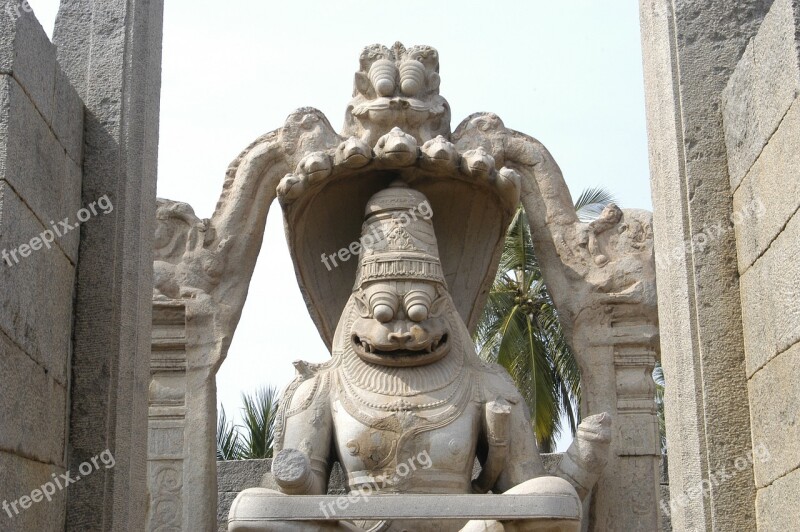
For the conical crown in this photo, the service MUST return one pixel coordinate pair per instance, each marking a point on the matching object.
(397, 238)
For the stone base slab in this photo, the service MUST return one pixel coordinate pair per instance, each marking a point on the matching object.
(251, 506)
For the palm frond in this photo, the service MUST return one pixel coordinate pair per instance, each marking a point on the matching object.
(591, 203)
(229, 444)
(519, 329)
(259, 422)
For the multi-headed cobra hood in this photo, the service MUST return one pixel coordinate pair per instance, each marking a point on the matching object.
(396, 133)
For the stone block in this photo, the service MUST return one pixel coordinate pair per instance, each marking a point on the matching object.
(32, 407)
(761, 89)
(19, 477)
(666, 521)
(774, 396)
(224, 501)
(549, 505)
(68, 117)
(771, 300)
(758, 327)
(36, 164)
(770, 193)
(551, 461)
(237, 475)
(36, 309)
(785, 293)
(28, 54)
(778, 506)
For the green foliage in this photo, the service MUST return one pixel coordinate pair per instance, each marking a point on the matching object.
(229, 445)
(259, 423)
(591, 203)
(258, 429)
(520, 330)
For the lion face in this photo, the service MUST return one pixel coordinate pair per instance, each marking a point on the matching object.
(401, 323)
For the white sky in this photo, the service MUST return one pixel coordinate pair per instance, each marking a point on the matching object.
(568, 73)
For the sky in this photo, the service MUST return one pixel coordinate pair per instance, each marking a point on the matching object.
(567, 73)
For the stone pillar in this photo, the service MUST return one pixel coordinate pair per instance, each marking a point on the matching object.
(111, 52)
(167, 418)
(203, 267)
(690, 50)
(181, 471)
(618, 348)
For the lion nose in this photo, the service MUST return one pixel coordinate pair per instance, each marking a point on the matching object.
(401, 337)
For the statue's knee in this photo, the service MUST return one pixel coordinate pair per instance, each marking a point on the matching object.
(546, 485)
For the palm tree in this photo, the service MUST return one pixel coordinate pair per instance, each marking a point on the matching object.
(519, 330)
(229, 444)
(259, 422)
(259, 413)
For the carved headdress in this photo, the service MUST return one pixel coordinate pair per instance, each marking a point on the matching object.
(397, 239)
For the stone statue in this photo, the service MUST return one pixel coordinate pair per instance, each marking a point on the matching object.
(404, 377)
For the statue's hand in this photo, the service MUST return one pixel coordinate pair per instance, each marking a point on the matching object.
(292, 471)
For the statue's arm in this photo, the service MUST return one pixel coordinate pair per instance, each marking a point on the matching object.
(304, 438)
(522, 461)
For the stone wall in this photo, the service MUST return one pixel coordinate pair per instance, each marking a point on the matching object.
(690, 50)
(41, 142)
(721, 80)
(78, 152)
(761, 112)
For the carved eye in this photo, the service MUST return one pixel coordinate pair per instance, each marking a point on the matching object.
(418, 304)
(382, 74)
(384, 306)
(412, 77)
(383, 313)
(418, 313)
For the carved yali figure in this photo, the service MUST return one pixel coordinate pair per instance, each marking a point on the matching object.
(405, 405)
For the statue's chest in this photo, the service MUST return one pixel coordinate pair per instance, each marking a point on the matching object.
(413, 450)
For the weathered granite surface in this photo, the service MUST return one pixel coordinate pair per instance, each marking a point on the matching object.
(690, 51)
(237, 475)
(110, 50)
(762, 119)
(41, 122)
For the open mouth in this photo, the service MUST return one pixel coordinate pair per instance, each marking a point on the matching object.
(400, 355)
